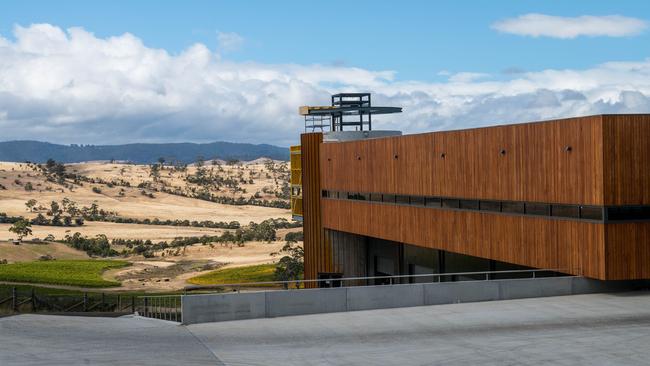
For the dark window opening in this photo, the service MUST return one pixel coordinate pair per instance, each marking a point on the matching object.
(591, 212)
(469, 204)
(628, 213)
(596, 213)
(490, 206)
(512, 207)
(357, 196)
(541, 209)
(389, 198)
(450, 203)
(432, 201)
(417, 200)
(566, 211)
(402, 200)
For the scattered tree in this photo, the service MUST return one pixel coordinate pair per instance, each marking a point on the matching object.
(291, 266)
(22, 228)
(154, 172)
(31, 204)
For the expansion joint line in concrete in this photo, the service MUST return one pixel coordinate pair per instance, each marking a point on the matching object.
(217, 360)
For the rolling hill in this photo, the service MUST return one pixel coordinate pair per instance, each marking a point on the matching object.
(38, 152)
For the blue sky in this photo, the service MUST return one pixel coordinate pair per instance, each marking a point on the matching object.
(445, 62)
(417, 39)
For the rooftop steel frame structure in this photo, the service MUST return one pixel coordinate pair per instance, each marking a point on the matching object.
(353, 110)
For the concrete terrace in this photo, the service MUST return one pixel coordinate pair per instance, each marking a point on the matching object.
(596, 329)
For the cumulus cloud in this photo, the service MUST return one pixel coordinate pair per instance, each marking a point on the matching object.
(70, 86)
(542, 25)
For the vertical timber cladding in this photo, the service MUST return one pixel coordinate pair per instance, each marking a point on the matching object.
(554, 162)
(318, 255)
(627, 182)
(569, 245)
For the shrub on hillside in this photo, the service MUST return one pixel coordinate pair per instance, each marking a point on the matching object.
(97, 246)
(295, 236)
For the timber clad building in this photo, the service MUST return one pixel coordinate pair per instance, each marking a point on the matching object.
(569, 195)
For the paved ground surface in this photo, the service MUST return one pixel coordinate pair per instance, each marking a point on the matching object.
(601, 329)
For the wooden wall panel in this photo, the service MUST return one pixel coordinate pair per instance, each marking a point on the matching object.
(627, 250)
(627, 159)
(608, 164)
(318, 255)
(535, 166)
(573, 246)
(626, 155)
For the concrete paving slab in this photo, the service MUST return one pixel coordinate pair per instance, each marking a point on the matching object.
(598, 329)
(70, 340)
(595, 329)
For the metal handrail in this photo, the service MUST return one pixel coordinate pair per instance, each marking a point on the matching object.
(433, 275)
(161, 307)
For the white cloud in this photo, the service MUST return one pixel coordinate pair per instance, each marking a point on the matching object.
(541, 25)
(229, 41)
(73, 87)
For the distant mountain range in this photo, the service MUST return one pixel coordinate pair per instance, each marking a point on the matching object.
(38, 152)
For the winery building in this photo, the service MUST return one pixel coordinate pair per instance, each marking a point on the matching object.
(569, 195)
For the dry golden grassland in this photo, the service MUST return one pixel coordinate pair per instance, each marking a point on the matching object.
(109, 192)
(130, 202)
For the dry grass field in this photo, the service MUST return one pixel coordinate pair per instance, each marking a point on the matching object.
(129, 201)
(31, 252)
(146, 192)
(114, 231)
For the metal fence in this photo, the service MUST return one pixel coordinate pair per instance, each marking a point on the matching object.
(385, 280)
(169, 307)
(15, 300)
(166, 307)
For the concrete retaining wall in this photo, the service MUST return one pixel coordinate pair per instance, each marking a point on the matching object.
(268, 304)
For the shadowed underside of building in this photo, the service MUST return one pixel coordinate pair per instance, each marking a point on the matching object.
(571, 195)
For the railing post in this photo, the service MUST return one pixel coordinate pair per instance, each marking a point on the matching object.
(146, 306)
(14, 299)
(85, 301)
(133, 304)
(103, 300)
(33, 297)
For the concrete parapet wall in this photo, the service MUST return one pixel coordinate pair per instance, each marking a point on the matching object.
(269, 304)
